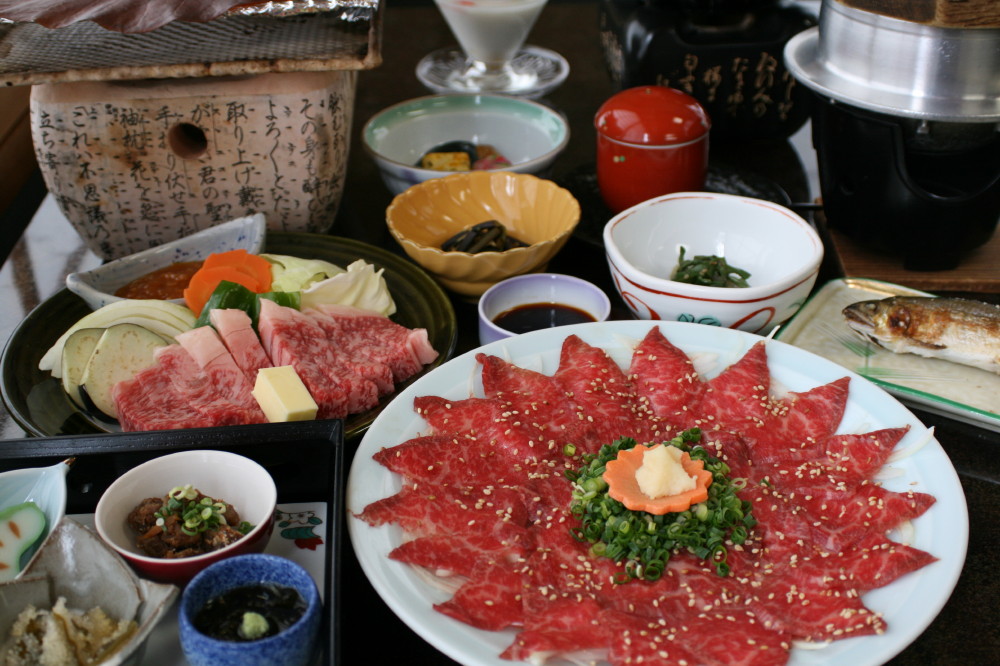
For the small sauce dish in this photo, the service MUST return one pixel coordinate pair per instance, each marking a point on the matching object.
(98, 286)
(538, 300)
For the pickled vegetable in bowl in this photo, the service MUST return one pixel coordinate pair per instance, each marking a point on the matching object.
(525, 137)
(36, 495)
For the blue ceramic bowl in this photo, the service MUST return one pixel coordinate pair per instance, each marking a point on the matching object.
(295, 646)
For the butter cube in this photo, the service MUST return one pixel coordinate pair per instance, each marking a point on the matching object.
(282, 395)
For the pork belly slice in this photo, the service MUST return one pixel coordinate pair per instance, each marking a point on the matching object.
(236, 330)
(339, 385)
(364, 334)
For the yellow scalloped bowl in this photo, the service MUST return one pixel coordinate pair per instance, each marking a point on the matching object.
(534, 210)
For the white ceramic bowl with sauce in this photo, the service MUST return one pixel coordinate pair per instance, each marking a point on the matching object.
(541, 292)
(98, 286)
(781, 251)
(530, 135)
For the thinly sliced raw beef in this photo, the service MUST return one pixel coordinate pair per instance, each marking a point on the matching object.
(465, 417)
(840, 518)
(856, 457)
(497, 427)
(798, 420)
(490, 600)
(149, 401)
(739, 396)
(200, 391)
(819, 543)
(872, 562)
(369, 335)
(443, 460)
(734, 638)
(666, 378)
(605, 398)
(292, 338)
(236, 330)
(442, 510)
(535, 399)
(458, 554)
(563, 627)
(797, 606)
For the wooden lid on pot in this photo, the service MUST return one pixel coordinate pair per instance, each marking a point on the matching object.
(939, 13)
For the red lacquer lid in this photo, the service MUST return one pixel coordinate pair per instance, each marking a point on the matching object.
(652, 116)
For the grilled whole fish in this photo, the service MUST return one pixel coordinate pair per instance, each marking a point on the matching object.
(954, 329)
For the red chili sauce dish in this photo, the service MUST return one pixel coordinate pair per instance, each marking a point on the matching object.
(165, 283)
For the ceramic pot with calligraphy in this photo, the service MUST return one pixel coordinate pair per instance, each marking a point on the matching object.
(133, 164)
(727, 54)
(651, 140)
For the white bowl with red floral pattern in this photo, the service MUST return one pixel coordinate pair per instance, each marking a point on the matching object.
(781, 251)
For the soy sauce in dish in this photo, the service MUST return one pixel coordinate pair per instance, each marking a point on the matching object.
(223, 616)
(534, 316)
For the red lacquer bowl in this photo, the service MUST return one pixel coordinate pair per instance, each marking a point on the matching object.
(651, 140)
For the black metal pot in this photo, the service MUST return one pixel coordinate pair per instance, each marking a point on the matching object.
(925, 191)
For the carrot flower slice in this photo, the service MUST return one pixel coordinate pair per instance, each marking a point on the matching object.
(619, 474)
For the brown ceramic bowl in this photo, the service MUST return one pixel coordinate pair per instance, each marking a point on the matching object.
(533, 210)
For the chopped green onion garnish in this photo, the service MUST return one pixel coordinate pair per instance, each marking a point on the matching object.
(644, 541)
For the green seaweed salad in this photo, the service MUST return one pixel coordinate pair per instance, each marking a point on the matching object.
(709, 271)
(644, 541)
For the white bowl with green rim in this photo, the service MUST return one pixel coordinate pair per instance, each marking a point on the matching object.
(530, 135)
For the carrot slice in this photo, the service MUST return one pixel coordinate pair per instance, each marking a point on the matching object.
(253, 265)
(205, 280)
(619, 474)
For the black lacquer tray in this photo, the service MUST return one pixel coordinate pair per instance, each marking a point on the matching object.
(306, 460)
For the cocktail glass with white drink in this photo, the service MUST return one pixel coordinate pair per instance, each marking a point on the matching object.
(491, 34)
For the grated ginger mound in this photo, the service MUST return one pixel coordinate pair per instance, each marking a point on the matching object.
(64, 637)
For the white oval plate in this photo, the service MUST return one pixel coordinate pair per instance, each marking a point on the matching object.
(909, 604)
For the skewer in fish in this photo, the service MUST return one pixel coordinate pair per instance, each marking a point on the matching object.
(953, 329)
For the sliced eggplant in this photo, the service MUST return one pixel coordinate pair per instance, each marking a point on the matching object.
(75, 355)
(163, 317)
(121, 353)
